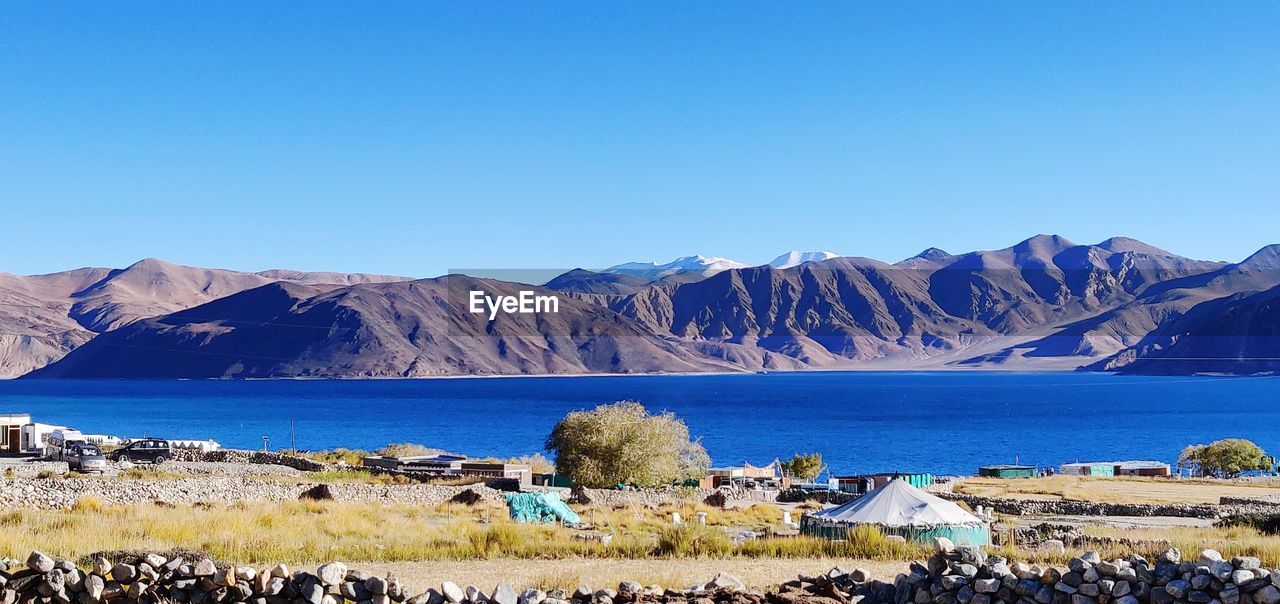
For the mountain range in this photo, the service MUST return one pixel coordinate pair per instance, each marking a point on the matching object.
(1045, 303)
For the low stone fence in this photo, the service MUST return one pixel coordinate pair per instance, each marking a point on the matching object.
(62, 493)
(23, 467)
(832, 497)
(255, 457)
(966, 575)
(1024, 507)
(1260, 501)
(158, 579)
(1073, 537)
(645, 497)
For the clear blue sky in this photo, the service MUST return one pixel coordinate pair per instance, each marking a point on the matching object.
(417, 137)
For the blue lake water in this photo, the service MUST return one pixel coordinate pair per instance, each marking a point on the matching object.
(862, 422)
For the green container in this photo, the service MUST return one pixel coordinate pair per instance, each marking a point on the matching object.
(1007, 471)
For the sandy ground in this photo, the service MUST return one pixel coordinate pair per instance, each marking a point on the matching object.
(608, 573)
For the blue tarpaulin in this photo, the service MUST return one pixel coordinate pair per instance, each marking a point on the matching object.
(540, 507)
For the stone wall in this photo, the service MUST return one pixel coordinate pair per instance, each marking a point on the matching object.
(832, 497)
(1024, 507)
(1073, 537)
(30, 468)
(645, 497)
(254, 457)
(62, 493)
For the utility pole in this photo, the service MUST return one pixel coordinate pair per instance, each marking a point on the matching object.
(293, 440)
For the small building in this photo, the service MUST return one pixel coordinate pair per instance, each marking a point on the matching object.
(1143, 468)
(11, 433)
(203, 446)
(864, 483)
(1117, 468)
(522, 473)
(448, 464)
(1007, 471)
(745, 475)
(443, 463)
(1088, 469)
(552, 479)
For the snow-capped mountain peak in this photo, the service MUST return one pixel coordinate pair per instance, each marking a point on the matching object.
(652, 271)
(795, 258)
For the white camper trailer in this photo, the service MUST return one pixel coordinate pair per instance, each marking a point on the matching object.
(57, 442)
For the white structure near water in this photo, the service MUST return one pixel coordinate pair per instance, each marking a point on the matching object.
(21, 436)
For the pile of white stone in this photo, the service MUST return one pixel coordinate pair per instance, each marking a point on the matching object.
(966, 575)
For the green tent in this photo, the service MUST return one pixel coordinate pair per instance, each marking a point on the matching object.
(540, 507)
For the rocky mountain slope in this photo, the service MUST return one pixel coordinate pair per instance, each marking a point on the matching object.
(402, 329)
(42, 317)
(920, 312)
(1044, 303)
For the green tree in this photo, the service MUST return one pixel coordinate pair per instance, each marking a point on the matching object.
(1225, 458)
(622, 443)
(805, 466)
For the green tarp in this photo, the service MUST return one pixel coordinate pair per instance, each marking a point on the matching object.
(540, 507)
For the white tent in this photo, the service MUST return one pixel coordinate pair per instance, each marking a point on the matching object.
(898, 508)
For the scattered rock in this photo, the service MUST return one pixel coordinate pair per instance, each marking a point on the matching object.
(320, 492)
(726, 581)
(453, 593)
(331, 574)
(39, 562)
(503, 594)
(468, 497)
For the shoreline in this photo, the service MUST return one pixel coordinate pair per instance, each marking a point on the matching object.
(842, 370)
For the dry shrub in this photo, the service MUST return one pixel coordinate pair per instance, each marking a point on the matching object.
(692, 539)
(623, 443)
(87, 504)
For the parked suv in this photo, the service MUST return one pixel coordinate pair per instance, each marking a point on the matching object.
(84, 457)
(153, 450)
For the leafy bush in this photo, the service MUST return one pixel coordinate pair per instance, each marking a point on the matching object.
(805, 466)
(623, 443)
(1225, 458)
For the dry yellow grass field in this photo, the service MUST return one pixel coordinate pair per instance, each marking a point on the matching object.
(1116, 490)
(311, 532)
(425, 544)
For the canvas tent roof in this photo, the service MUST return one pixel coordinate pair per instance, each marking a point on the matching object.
(898, 504)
